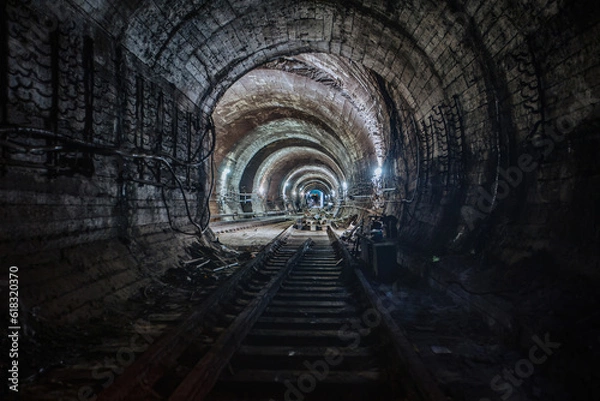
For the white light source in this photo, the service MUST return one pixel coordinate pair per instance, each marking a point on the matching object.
(224, 176)
(345, 185)
(294, 193)
(378, 171)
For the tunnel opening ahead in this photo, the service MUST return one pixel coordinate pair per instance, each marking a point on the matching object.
(314, 199)
(281, 127)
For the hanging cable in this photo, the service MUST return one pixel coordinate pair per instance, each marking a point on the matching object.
(418, 152)
(206, 208)
(70, 144)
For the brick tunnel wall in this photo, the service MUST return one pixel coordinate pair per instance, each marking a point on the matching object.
(553, 208)
(83, 217)
(507, 81)
(526, 149)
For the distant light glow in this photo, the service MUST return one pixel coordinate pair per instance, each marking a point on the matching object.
(345, 185)
(224, 177)
(378, 171)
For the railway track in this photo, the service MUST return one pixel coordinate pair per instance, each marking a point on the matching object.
(239, 225)
(295, 324)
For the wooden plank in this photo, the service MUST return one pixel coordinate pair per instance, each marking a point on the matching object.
(294, 333)
(328, 289)
(287, 286)
(304, 281)
(315, 264)
(294, 311)
(165, 317)
(204, 375)
(310, 304)
(303, 352)
(290, 293)
(313, 285)
(328, 279)
(333, 377)
(316, 273)
(308, 320)
(307, 295)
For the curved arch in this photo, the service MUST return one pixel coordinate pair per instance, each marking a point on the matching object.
(260, 98)
(278, 166)
(410, 59)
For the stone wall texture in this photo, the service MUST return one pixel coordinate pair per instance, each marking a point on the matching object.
(487, 121)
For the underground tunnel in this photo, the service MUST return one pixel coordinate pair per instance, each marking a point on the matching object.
(300, 200)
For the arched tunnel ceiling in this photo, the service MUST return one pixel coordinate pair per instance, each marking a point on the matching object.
(282, 163)
(314, 183)
(297, 177)
(194, 35)
(315, 180)
(204, 47)
(350, 71)
(307, 110)
(254, 146)
(323, 65)
(294, 145)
